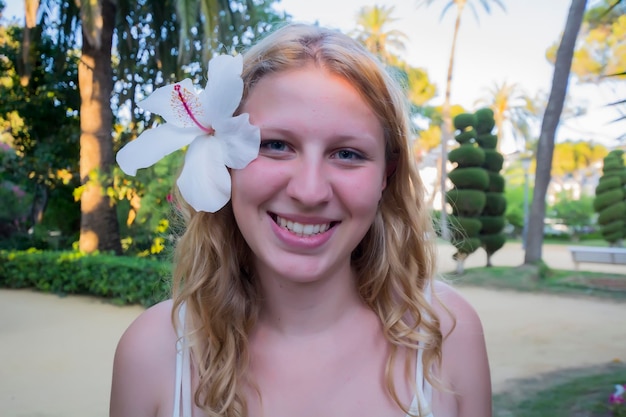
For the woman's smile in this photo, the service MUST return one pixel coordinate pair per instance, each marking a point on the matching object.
(311, 195)
(302, 229)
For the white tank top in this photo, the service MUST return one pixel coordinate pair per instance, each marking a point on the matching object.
(182, 394)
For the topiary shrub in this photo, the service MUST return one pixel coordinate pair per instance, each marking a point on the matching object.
(610, 198)
(493, 214)
(467, 197)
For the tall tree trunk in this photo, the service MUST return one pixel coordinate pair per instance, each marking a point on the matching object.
(447, 129)
(551, 118)
(99, 229)
(26, 63)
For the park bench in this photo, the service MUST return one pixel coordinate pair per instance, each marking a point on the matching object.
(602, 255)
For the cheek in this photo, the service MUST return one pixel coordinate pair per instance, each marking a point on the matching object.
(254, 183)
(363, 193)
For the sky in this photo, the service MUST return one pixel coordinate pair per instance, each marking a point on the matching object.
(502, 46)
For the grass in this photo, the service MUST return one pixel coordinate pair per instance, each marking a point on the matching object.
(581, 392)
(542, 279)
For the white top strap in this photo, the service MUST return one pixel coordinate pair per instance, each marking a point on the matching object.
(182, 386)
(422, 401)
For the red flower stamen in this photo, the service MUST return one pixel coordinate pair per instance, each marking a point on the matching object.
(187, 107)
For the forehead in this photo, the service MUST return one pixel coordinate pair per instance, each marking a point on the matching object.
(311, 98)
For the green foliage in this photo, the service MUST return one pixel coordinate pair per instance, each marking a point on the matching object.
(14, 208)
(577, 214)
(495, 204)
(465, 246)
(612, 213)
(612, 231)
(492, 224)
(164, 41)
(573, 392)
(469, 203)
(62, 213)
(472, 178)
(600, 50)
(468, 136)
(493, 160)
(464, 227)
(515, 217)
(464, 120)
(611, 235)
(496, 182)
(467, 198)
(468, 155)
(124, 280)
(608, 183)
(487, 141)
(144, 206)
(39, 139)
(492, 242)
(485, 121)
(613, 164)
(493, 214)
(610, 198)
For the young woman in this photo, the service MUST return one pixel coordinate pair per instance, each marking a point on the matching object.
(311, 292)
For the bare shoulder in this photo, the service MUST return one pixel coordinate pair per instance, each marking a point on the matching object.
(144, 364)
(454, 311)
(465, 366)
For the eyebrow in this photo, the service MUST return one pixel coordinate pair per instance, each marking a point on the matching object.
(290, 132)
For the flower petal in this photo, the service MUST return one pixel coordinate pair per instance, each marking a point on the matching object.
(151, 146)
(176, 107)
(224, 87)
(204, 181)
(239, 139)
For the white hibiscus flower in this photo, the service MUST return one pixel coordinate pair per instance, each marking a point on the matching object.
(205, 122)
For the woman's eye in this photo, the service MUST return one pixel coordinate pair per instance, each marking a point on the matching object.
(347, 154)
(273, 145)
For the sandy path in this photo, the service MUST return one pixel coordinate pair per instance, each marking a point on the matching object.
(57, 352)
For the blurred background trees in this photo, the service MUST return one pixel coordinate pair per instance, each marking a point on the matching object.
(158, 42)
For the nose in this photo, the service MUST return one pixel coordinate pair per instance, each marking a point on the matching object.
(309, 183)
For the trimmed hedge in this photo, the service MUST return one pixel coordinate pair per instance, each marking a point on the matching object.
(464, 227)
(467, 156)
(472, 178)
(487, 141)
(464, 120)
(123, 280)
(610, 199)
(468, 202)
(494, 161)
(496, 182)
(607, 183)
(484, 120)
(492, 224)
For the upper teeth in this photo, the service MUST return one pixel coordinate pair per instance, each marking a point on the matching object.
(302, 229)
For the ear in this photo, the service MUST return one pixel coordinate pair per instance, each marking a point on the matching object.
(390, 169)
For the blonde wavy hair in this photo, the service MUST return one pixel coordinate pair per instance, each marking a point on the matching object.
(394, 262)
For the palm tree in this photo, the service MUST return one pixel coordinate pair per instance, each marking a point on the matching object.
(372, 30)
(550, 122)
(447, 118)
(510, 107)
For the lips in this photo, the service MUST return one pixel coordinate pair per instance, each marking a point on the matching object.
(302, 229)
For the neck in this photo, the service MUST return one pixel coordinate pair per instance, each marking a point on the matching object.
(300, 308)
